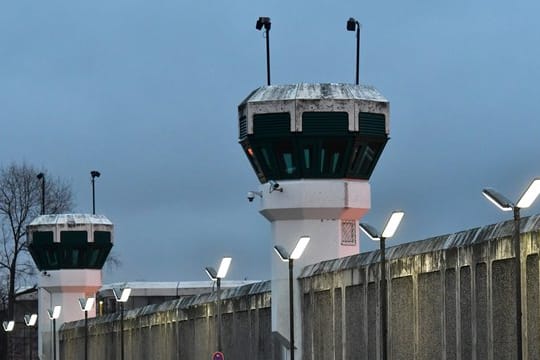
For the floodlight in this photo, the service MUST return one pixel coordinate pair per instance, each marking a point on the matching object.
(40, 175)
(30, 319)
(370, 231)
(86, 304)
(530, 194)
(282, 253)
(95, 173)
(224, 267)
(392, 224)
(122, 295)
(8, 325)
(54, 313)
(263, 21)
(300, 247)
(351, 24)
(498, 199)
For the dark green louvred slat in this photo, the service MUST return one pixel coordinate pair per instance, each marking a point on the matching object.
(243, 127)
(272, 125)
(325, 123)
(371, 124)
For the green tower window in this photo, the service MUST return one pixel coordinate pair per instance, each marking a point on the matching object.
(371, 124)
(43, 237)
(74, 238)
(325, 147)
(271, 125)
(102, 237)
(325, 123)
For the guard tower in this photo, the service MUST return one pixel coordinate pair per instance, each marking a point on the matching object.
(313, 148)
(69, 250)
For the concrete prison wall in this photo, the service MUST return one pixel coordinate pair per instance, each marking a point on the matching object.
(180, 329)
(449, 297)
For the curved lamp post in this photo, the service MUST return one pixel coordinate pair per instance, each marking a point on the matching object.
(217, 276)
(525, 200)
(122, 295)
(86, 305)
(286, 257)
(30, 320)
(389, 231)
(94, 174)
(352, 25)
(41, 176)
(8, 328)
(53, 315)
(264, 22)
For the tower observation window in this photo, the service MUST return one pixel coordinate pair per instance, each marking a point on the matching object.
(324, 148)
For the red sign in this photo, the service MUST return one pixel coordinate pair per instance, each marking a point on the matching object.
(218, 355)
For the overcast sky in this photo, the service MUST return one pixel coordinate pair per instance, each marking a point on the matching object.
(146, 92)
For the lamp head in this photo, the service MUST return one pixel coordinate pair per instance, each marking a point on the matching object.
(392, 224)
(498, 199)
(300, 247)
(211, 272)
(122, 294)
(30, 319)
(224, 267)
(54, 313)
(351, 24)
(529, 195)
(263, 21)
(370, 231)
(95, 174)
(8, 325)
(86, 303)
(40, 175)
(282, 253)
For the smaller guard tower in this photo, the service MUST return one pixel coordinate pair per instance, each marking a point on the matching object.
(313, 148)
(69, 250)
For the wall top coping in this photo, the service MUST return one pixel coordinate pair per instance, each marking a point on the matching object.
(438, 243)
(181, 304)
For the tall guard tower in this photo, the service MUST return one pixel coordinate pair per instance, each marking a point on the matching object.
(313, 148)
(69, 250)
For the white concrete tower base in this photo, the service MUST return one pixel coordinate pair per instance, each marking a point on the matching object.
(326, 210)
(63, 287)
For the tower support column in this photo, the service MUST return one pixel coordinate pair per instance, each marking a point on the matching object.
(326, 210)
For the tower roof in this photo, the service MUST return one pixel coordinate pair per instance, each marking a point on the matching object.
(315, 92)
(313, 131)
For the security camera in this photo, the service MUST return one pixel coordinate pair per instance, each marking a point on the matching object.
(274, 186)
(251, 195)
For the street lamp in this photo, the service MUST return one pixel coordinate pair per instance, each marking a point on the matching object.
(8, 328)
(86, 305)
(122, 295)
(53, 315)
(41, 176)
(94, 174)
(294, 255)
(389, 231)
(352, 25)
(30, 320)
(526, 200)
(217, 276)
(267, 24)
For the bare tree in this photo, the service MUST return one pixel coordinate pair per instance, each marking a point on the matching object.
(20, 203)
